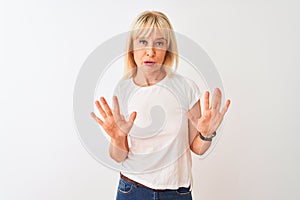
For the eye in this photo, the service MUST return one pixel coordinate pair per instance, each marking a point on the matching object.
(144, 42)
(160, 43)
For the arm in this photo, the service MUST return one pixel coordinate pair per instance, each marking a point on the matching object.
(116, 127)
(206, 123)
(197, 145)
(118, 149)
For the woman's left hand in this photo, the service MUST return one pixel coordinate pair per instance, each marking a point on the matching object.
(211, 117)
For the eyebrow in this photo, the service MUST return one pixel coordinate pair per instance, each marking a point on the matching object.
(161, 38)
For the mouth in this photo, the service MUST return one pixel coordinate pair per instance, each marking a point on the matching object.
(149, 63)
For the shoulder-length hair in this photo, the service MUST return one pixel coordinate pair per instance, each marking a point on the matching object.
(145, 24)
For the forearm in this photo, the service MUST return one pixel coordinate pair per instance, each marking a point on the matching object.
(199, 146)
(118, 149)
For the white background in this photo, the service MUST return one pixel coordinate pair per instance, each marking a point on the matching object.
(254, 45)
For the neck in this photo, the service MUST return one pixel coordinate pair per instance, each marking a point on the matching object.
(144, 77)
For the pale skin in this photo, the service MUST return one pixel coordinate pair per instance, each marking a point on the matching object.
(117, 127)
(206, 122)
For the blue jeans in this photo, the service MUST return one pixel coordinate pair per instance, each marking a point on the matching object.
(131, 191)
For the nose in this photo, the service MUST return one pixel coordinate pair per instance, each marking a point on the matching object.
(150, 52)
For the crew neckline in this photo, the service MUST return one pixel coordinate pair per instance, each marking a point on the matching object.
(153, 85)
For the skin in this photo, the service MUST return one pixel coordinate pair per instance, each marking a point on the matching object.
(117, 127)
(149, 49)
(207, 122)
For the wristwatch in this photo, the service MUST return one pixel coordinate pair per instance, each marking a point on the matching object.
(207, 139)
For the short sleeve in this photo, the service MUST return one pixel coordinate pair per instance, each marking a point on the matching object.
(119, 93)
(193, 92)
(116, 91)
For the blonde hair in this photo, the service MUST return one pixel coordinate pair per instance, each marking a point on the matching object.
(145, 23)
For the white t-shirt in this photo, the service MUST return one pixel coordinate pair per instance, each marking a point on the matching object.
(159, 154)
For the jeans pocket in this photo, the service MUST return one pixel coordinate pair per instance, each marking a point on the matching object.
(125, 187)
(183, 191)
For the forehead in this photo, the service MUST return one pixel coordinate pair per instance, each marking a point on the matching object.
(153, 33)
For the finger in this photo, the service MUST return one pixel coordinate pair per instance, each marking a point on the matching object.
(122, 117)
(224, 110)
(116, 105)
(96, 118)
(102, 112)
(216, 99)
(206, 100)
(132, 117)
(106, 106)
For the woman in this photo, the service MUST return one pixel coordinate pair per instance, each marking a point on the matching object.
(164, 116)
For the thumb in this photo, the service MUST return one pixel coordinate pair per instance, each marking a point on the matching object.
(132, 117)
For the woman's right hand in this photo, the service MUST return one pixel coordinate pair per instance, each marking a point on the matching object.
(114, 124)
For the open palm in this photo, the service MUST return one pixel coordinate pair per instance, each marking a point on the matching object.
(211, 117)
(114, 124)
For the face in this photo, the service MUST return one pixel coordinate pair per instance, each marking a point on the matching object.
(150, 51)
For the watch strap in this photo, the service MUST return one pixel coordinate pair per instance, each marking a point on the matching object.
(207, 139)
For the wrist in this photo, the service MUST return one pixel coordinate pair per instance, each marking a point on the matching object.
(118, 139)
(205, 138)
(118, 134)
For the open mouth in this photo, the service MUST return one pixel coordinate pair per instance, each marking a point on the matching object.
(149, 63)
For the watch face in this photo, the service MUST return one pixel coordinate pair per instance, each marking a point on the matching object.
(214, 134)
